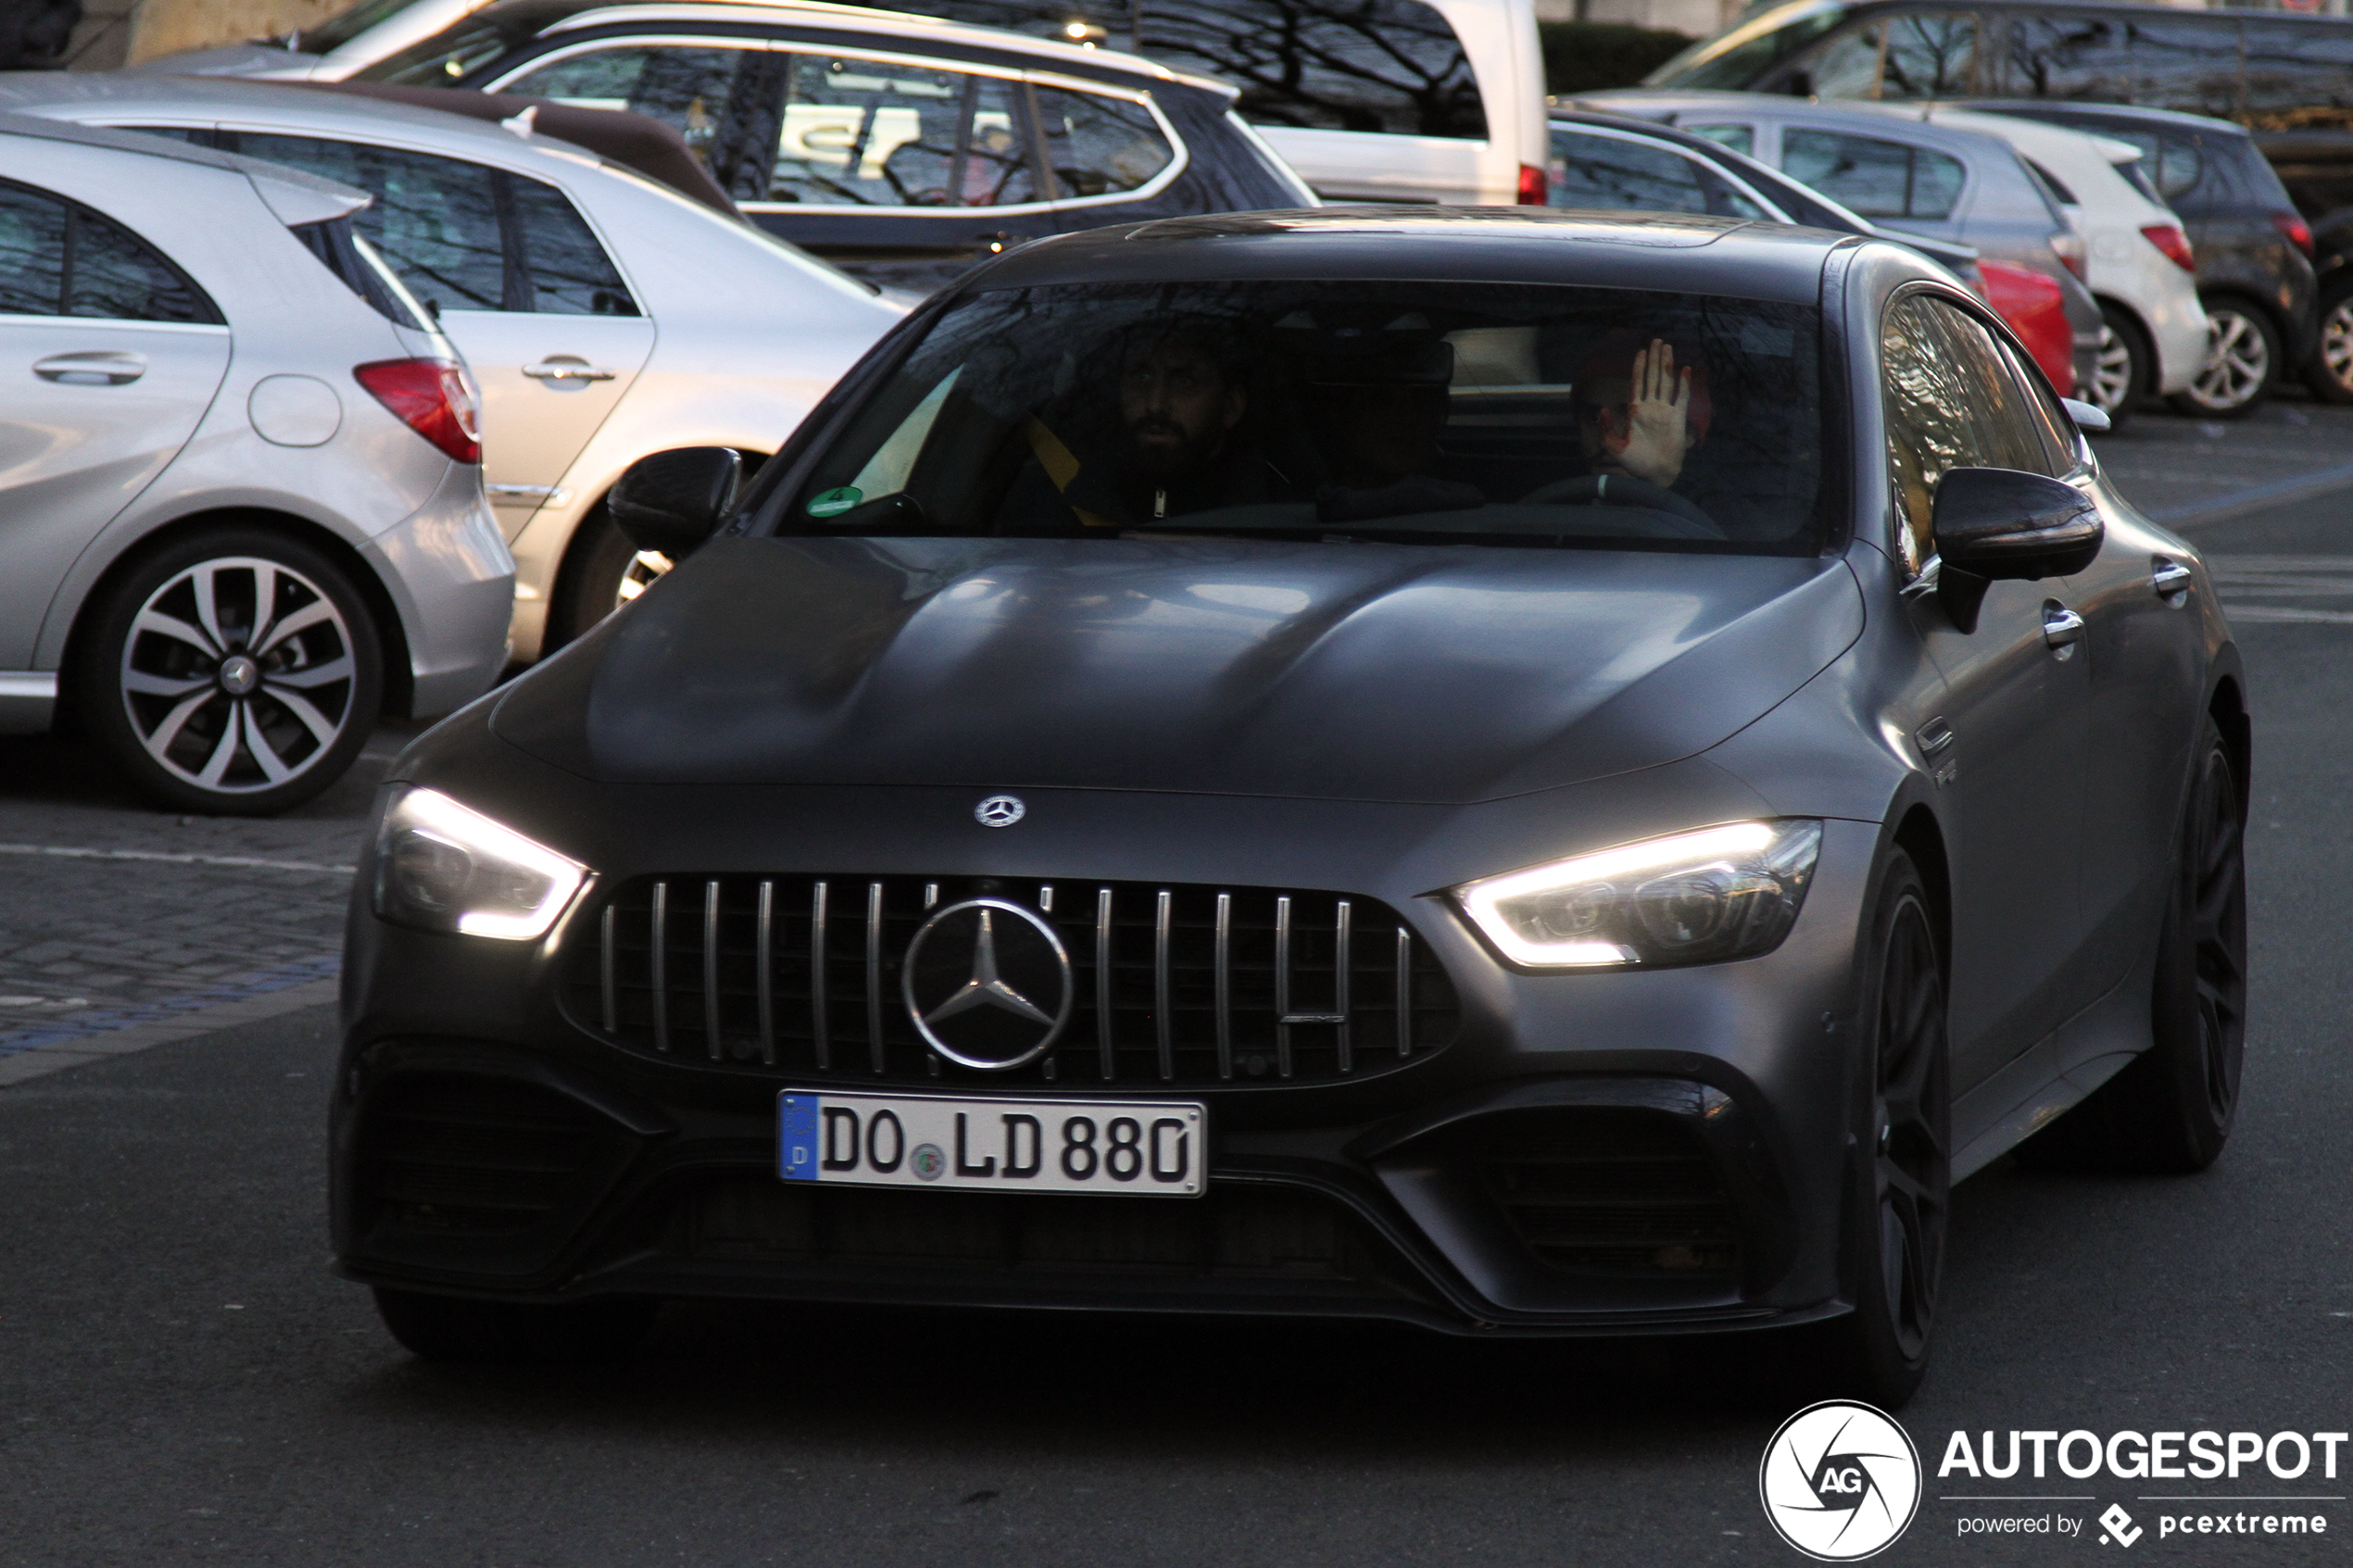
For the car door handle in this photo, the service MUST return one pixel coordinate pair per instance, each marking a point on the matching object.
(567, 370)
(2173, 581)
(100, 368)
(2062, 628)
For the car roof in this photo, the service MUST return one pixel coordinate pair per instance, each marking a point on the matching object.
(2049, 139)
(297, 198)
(819, 14)
(1732, 257)
(2113, 113)
(1780, 105)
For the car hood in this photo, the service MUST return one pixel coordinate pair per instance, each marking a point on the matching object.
(1336, 672)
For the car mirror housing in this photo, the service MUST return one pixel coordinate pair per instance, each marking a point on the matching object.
(2089, 418)
(2004, 523)
(671, 502)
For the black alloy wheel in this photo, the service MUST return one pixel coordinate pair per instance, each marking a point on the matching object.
(2330, 372)
(1879, 1351)
(2171, 1112)
(235, 672)
(2126, 368)
(451, 1328)
(2242, 363)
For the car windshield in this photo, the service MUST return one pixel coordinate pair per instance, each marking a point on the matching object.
(464, 47)
(1502, 414)
(1735, 59)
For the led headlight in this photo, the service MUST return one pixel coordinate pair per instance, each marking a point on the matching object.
(441, 866)
(1728, 892)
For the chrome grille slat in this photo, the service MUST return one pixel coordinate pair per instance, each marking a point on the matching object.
(1163, 1025)
(874, 973)
(819, 1037)
(711, 970)
(765, 957)
(1104, 1014)
(1179, 986)
(660, 920)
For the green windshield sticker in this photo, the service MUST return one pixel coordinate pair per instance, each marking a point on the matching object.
(832, 503)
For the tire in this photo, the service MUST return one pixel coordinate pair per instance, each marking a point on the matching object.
(603, 571)
(167, 681)
(2242, 365)
(2171, 1112)
(2330, 372)
(2126, 366)
(451, 1328)
(1902, 1197)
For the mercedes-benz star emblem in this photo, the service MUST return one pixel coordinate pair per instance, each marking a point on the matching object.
(1000, 811)
(987, 984)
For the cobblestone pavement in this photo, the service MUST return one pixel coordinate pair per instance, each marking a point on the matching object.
(112, 912)
(109, 906)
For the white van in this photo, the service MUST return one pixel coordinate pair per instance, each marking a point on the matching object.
(1369, 100)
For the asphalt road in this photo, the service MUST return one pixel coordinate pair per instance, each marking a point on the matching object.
(183, 1382)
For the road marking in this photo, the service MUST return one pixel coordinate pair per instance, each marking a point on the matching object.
(241, 862)
(33, 1050)
(2280, 615)
(2255, 498)
(2261, 579)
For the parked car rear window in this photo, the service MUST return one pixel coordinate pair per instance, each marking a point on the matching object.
(59, 258)
(1501, 414)
(1392, 66)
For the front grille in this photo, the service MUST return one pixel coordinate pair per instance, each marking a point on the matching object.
(1177, 985)
(1611, 1190)
(1231, 1232)
(469, 1156)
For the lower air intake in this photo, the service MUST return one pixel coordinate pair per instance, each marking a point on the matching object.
(1609, 1190)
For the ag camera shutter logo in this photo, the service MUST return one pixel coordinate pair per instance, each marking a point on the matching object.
(1839, 1481)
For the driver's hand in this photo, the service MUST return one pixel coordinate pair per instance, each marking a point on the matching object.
(1650, 439)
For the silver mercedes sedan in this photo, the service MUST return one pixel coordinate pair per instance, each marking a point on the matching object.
(241, 504)
(604, 316)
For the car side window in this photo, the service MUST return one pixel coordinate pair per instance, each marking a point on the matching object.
(859, 132)
(59, 258)
(1741, 139)
(1616, 175)
(2052, 430)
(460, 235)
(1875, 178)
(1951, 401)
(1929, 56)
(2082, 58)
(1101, 145)
(716, 95)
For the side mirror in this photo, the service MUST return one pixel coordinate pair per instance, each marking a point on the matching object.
(2002, 523)
(2089, 418)
(671, 502)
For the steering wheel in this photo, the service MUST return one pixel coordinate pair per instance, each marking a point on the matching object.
(1616, 490)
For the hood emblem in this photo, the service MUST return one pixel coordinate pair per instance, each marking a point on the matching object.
(1000, 811)
(987, 984)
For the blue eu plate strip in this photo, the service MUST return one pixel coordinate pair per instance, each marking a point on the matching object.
(797, 1137)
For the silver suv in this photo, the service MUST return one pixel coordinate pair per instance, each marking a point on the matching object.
(241, 503)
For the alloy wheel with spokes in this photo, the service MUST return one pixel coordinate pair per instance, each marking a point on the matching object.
(2241, 358)
(233, 675)
(2122, 373)
(2217, 939)
(2330, 374)
(1902, 1182)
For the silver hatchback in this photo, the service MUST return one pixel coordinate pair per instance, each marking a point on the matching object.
(241, 502)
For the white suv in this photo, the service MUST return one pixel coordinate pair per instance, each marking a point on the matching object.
(241, 505)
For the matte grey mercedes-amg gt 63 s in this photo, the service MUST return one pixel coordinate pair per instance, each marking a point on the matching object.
(1537, 773)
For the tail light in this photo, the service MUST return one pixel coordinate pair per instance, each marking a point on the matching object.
(2297, 232)
(2031, 301)
(433, 399)
(1532, 188)
(2168, 238)
(2067, 245)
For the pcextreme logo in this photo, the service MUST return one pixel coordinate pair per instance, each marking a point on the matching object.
(1839, 1481)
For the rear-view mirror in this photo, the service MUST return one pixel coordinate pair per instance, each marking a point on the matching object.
(2005, 523)
(671, 502)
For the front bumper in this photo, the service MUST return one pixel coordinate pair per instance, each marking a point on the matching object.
(1587, 1154)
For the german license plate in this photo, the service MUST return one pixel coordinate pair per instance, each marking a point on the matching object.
(1133, 1147)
